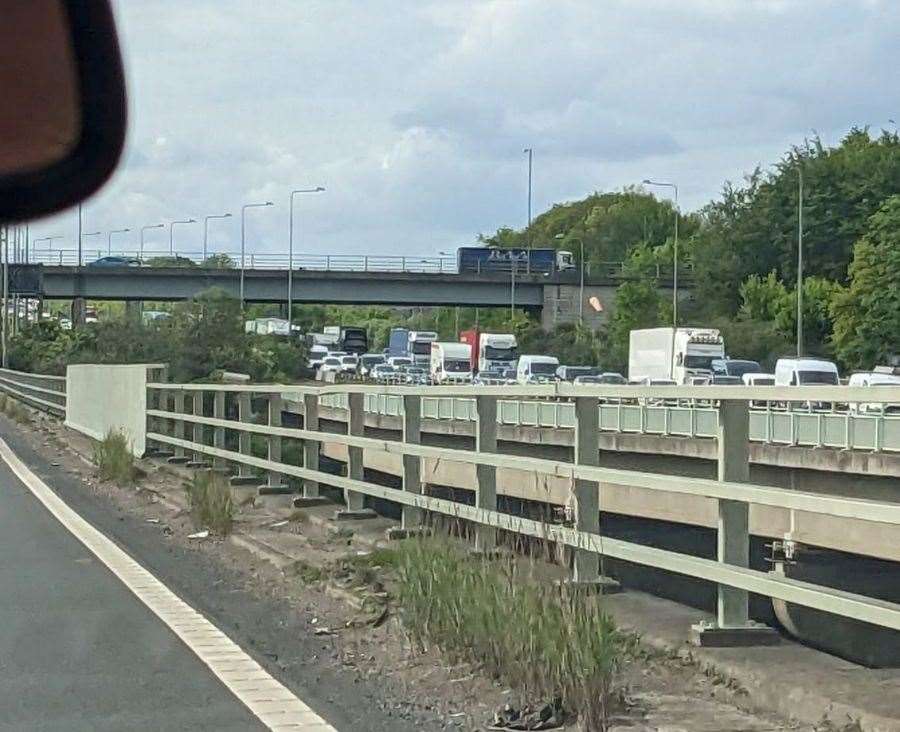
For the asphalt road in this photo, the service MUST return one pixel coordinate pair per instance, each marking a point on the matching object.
(78, 651)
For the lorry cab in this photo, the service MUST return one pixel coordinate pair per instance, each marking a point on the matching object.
(565, 261)
(537, 370)
(420, 346)
(451, 363)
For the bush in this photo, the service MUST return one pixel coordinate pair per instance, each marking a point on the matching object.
(14, 409)
(114, 459)
(550, 643)
(212, 505)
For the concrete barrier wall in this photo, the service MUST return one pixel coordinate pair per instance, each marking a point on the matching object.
(101, 398)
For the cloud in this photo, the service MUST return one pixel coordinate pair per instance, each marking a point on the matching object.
(414, 114)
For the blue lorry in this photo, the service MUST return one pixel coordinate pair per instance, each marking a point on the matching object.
(398, 342)
(494, 259)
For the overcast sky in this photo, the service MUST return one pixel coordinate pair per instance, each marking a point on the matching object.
(414, 114)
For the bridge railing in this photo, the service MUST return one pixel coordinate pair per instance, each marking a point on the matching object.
(47, 393)
(192, 419)
(849, 429)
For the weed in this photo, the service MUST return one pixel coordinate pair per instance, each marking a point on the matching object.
(14, 410)
(549, 643)
(114, 460)
(307, 573)
(299, 516)
(211, 502)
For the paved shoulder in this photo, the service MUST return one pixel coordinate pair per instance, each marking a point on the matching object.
(80, 651)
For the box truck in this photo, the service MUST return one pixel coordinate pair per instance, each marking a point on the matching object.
(673, 354)
(451, 363)
(490, 351)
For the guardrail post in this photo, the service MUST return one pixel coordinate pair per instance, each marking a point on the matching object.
(486, 475)
(412, 464)
(200, 459)
(356, 423)
(586, 493)
(311, 447)
(274, 407)
(733, 626)
(245, 414)
(219, 432)
(179, 429)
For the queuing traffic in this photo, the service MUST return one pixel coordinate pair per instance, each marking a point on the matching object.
(657, 357)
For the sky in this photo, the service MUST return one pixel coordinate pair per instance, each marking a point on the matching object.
(414, 114)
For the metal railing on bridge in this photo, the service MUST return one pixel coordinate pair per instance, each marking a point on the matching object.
(181, 417)
(847, 430)
(47, 393)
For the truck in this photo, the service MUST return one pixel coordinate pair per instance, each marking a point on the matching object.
(398, 342)
(673, 354)
(450, 363)
(268, 326)
(353, 339)
(420, 346)
(524, 261)
(490, 351)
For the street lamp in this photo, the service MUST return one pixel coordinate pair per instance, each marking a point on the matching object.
(109, 239)
(530, 154)
(561, 237)
(146, 228)
(206, 228)
(243, 238)
(661, 184)
(171, 238)
(49, 240)
(800, 267)
(290, 277)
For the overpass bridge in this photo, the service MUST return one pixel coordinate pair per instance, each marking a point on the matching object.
(340, 279)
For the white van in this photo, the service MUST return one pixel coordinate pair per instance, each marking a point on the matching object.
(874, 379)
(537, 370)
(758, 378)
(805, 372)
(451, 363)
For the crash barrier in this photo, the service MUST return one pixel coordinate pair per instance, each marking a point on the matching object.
(192, 419)
(46, 393)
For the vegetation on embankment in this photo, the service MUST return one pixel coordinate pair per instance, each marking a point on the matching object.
(114, 459)
(211, 502)
(547, 642)
(14, 409)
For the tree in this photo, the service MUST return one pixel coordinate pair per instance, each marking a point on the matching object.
(867, 313)
(218, 261)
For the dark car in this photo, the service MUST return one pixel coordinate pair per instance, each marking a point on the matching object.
(116, 262)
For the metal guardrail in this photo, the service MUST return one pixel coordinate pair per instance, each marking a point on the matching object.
(841, 430)
(47, 393)
(191, 430)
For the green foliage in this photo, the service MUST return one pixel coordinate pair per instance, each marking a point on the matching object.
(218, 261)
(212, 506)
(549, 643)
(114, 459)
(867, 313)
(173, 261)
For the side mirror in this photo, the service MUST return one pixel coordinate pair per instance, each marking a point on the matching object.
(63, 116)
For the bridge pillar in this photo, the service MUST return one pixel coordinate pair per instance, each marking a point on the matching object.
(733, 626)
(412, 464)
(486, 475)
(310, 447)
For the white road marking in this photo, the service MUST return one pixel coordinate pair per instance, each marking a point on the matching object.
(275, 706)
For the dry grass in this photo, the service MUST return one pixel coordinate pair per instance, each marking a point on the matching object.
(114, 460)
(212, 506)
(549, 643)
(14, 410)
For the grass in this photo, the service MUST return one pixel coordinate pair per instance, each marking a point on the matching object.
(549, 643)
(14, 410)
(114, 460)
(212, 506)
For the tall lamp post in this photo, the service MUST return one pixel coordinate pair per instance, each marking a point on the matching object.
(243, 238)
(172, 238)
(800, 267)
(147, 228)
(662, 184)
(530, 152)
(561, 237)
(290, 276)
(109, 239)
(93, 233)
(206, 229)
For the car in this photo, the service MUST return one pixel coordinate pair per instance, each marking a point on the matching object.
(331, 364)
(316, 355)
(399, 361)
(875, 380)
(570, 373)
(349, 363)
(369, 361)
(113, 261)
(494, 377)
(608, 377)
(384, 373)
(723, 380)
(415, 376)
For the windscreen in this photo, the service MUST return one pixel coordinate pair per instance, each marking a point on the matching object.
(495, 353)
(739, 368)
(818, 377)
(692, 361)
(456, 365)
(543, 369)
(421, 348)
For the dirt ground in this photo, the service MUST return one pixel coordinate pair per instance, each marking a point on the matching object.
(291, 555)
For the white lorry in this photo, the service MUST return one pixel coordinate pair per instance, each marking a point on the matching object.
(420, 347)
(451, 363)
(673, 354)
(536, 369)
